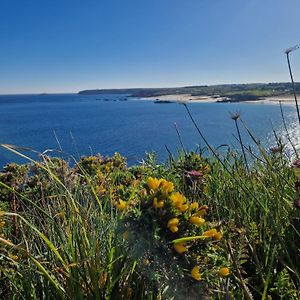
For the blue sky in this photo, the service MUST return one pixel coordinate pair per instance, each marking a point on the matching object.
(69, 45)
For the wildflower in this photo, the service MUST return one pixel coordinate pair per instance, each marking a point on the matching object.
(218, 236)
(153, 183)
(179, 201)
(121, 205)
(173, 224)
(167, 187)
(174, 228)
(194, 173)
(196, 220)
(223, 272)
(194, 206)
(195, 272)
(183, 207)
(180, 248)
(158, 203)
(210, 233)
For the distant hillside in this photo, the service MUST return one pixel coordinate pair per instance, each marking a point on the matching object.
(236, 92)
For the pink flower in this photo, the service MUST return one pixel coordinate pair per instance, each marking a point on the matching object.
(194, 173)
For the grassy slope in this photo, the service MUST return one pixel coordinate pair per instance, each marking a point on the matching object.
(67, 234)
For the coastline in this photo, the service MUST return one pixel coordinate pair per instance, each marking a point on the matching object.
(182, 98)
(188, 98)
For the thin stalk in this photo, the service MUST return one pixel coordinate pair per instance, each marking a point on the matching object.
(241, 142)
(244, 188)
(287, 132)
(293, 83)
(179, 137)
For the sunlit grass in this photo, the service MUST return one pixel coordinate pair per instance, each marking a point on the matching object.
(194, 227)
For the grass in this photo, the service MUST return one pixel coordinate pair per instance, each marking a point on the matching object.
(197, 227)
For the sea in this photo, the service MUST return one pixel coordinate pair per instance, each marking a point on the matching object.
(73, 125)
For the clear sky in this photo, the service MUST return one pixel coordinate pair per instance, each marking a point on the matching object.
(69, 45)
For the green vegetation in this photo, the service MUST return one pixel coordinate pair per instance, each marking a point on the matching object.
(197, 227)
(237, 92)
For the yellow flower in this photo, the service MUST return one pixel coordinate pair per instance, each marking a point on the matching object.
(153, 183)
(158, 203)
(183, 207)
(224, 272)
(177, 199)
(210, 233)
(218, 236)
(121, 205)
(173, 228)
(196, 220)
(180, 248)
(195, 272)
(173, 222)
(194, 206)
(166, 186)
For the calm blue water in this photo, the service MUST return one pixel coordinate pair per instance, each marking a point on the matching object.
(89, 124)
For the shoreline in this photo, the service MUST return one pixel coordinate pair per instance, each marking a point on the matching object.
(188, 98)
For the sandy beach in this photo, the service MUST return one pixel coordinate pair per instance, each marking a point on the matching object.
(182, 98)
(188, 98)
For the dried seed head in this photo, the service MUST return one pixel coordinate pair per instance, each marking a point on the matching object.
(235, 116)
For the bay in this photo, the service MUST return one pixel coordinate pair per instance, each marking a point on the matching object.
(91, 124)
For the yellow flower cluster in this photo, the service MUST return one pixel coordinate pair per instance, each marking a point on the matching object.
(121, 205)
(197, 220)
(224, 272)
(179, 201)
(180, 248)
(217, 235)
(195, 273)
(165, 186)
(173, 224)
(158, 203)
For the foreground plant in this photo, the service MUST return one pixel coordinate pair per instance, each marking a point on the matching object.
(170, 233)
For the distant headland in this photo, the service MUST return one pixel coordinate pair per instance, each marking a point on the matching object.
(212, 93)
